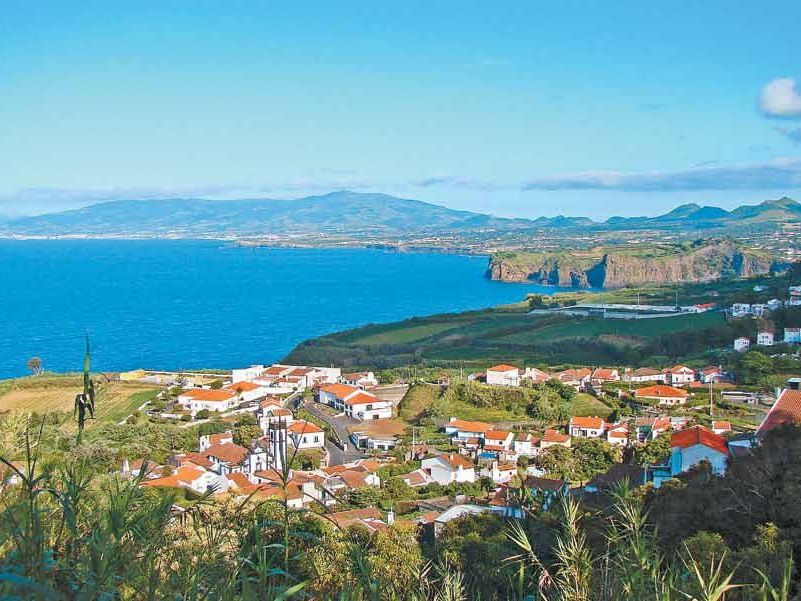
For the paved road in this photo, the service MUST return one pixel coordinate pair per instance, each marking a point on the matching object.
(340, 425)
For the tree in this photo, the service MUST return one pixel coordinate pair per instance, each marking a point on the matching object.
(594, 456)
(653, 452)
(35, 366)
(794, 273)
(753, 367)
(203, 414)
(397, 490)
(558, 462)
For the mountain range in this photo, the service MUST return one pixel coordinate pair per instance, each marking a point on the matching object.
(351, 214)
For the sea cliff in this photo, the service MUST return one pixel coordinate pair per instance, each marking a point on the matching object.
(618, 267)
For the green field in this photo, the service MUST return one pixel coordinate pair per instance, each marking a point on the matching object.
(582, 327)
(476, 339)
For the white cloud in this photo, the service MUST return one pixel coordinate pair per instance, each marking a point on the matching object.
(778, 174)
(780, 98)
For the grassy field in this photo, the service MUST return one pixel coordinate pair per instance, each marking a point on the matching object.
(642, 328)
(420, 397)
(51, 392)
(586, 405)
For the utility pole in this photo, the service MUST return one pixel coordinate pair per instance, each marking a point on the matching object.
(711, 381)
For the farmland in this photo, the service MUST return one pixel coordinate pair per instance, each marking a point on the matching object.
(55, 393)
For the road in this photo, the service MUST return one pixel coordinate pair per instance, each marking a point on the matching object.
(340, 425)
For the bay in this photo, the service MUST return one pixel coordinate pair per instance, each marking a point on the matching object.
(186, 304)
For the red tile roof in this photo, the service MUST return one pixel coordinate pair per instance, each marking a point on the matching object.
(243, 387)
(699, 435)
(503, 367)
(602, 373)
(339, 390)
(590, 423)
(301, 427)
(660, 391)
(455, 461)
(227, 453)
(362, 398)
(554, 436)
(496, 434)
(468, 426)
(202, 394)
(786, 410)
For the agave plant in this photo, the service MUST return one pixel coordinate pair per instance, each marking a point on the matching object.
(85, 401)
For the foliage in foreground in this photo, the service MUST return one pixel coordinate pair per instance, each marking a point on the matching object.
(74, 532)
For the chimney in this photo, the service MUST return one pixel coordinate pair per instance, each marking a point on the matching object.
(452, 419)
(391, 516)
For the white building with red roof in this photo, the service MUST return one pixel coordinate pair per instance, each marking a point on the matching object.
(680, 375)
(693, 445)
(198, 399)
(618, 434)
(503, 375)
(536, 376)
(662, 394)
(587, 427)
(247, 391)
(721, 426)
(355, 402)
(449, 467)
(499, 441)
(306, 435)
(604, 374)
(359, 379)
(464, 429)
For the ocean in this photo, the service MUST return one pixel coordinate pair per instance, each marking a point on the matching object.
(164, 304)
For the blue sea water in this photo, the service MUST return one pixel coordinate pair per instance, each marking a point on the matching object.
(202, 304)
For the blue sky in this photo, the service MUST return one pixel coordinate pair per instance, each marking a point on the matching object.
(519, 109)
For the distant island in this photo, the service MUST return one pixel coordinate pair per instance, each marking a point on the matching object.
(356, 216)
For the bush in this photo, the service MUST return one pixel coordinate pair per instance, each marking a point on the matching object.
(203, 414)
(186, 417)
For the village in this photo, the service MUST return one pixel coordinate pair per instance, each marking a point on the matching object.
(323, 438)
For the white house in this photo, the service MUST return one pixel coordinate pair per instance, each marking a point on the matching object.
(525, 444)
(536, 376)
(741, 344)
(503, 375)
(618, 434)
(663, 395)
(690, 447)
(740, 310)
(587, 427)
(464, 429)
(367, 406)
(247, 374)
(759, 309)
(792, 335)
(361, 379)
(450, 467)
(198, 399)
(499, 441)
(681, 375)
(208, 440)
(774, 304)
(355, 402)
(306, 435)
(272, 414)
(765, 338)
(246, 391)
(647, 374)
(604, 374)
(500, 473)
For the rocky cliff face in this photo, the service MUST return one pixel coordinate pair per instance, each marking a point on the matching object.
(598, 268)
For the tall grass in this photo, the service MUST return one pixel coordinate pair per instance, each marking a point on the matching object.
(69, 532)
